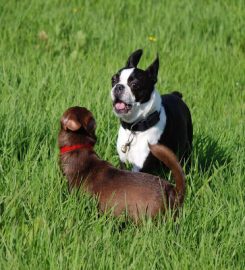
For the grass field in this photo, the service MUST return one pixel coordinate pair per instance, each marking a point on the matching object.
(56, 54)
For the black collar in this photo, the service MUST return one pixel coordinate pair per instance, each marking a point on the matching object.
(143, 124)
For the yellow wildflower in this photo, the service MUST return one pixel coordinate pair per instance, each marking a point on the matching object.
(152, 38)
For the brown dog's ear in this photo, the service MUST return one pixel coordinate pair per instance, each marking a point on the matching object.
(70, 122)
(89, 124)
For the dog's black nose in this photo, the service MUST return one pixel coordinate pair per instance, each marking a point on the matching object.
(118, 90)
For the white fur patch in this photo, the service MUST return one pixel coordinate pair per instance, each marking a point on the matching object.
(139, 150)
(125, 75)
(127, 95)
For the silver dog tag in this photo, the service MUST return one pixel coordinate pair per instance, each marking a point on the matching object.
(125, 148)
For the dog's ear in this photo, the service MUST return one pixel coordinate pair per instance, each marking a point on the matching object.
(70, 122)
(134, 59)
(153, 69)
(89, 124)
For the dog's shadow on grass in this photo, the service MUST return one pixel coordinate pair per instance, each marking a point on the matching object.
(207, 152)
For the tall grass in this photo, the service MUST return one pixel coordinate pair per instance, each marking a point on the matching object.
(56, 54)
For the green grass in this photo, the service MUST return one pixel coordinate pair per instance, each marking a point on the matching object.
(201, 45)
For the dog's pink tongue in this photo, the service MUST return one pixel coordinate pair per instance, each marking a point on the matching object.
(120, 106)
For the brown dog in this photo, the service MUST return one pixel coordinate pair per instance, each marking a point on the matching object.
(139, 194)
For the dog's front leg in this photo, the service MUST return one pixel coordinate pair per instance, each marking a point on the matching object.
(136, 168)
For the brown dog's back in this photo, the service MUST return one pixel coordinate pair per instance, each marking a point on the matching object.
(138, 193)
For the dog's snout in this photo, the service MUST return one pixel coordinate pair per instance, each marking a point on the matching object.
(118, 90)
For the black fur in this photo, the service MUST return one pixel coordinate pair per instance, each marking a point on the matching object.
(178, 132)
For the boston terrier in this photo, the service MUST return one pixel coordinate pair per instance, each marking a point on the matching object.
(139, 194)
(147, 117)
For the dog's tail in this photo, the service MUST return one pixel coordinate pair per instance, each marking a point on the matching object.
(164, 154)
(177, 93)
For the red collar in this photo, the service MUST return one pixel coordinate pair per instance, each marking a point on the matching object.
(65, 149)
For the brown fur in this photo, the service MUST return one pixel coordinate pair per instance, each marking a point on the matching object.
(140, 194)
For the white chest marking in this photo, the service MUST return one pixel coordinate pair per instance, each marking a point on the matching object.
(139, 149)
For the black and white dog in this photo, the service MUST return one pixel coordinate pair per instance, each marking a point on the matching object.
(146, 117)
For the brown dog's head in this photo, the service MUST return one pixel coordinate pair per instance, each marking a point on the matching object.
(80, 121)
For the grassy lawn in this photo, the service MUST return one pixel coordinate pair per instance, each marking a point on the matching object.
(56, 54)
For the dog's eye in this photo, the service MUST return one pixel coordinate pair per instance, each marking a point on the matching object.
(134, 85)
(113, 81)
